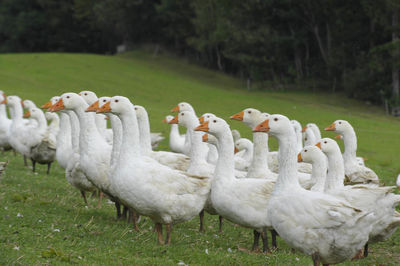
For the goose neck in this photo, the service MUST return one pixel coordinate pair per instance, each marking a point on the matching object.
(318, 174)
(299, 138)
(87, 128)
(225, 168)
(3, 112)
(64, 135)
(16, 112)
(144, 133)
(350, 145)
(130, 135)
(117, 139)
(198, 149)
(260, 153)
(335, 176)
(287, 175)
(75, 129)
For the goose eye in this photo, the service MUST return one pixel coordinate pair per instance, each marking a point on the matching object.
(275, 119)
(249, 112)
(305, 150)
(182, 114)
(67, 97)
(116, 101)
(104, 101)
(305, 138)
(325, 142)
(135, 108)
(215, 121)
(340, 122)
(85, 94)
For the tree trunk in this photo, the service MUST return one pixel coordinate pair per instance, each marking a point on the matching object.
(395, 64)
(219, 63)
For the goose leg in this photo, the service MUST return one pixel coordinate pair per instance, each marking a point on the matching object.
(273, 235)
(48, 168)
(118, 207)
(201, 215)
(158, 228)
(220, 223)
(124, 213)
(135, 219)
(256, 239)
(264, 237)
(316, 259)
(168, 228)
(366, 250)
(94, 193)
(33, 165)
(100, 198)
(84, 197)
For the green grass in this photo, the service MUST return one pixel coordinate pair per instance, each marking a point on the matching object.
(92, 236)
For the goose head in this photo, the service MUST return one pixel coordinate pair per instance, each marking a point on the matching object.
(89, 96)
(309, 154)
(50, 103)
(328, 146)
(313, 126)
(141, 112)
(296, 125)
(13, 101)
(275, 125)
(50, 116)
(185, 118)
(28, 104)
(216, 126)
(34, 113)
(183, 106)
(242, 144)
(167, 119)
(68, 101)
(117, 105)
(339, 126)
(210, 139)
(206, 117)
(250, 116)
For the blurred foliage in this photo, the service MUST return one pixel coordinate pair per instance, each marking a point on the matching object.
(340, 45)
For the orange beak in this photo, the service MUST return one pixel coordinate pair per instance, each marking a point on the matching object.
(174, 120)
(263, 127)
(79, 94)
(104, 109)
(304, 129)
(205, 137)
(58, 106)
(238, 116)
(22, 103)
(4, 101)
(175, 109)
(201, 120)
(93, 108)
(299, 159)
(318, 145)
(165, 120)
(46, 105)
(106, 118)
(338, 136)
(202, 127)
(236, 150)
(27, 114)
(332, 127)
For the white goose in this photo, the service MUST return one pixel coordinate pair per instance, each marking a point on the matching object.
(174, 160)
(63, 140)
(360, 160)
(176, 140)
(42, 150)
(355, 173)
(314, 156)
(315, 129)
(167, 196)
(242, 201)
(184, 106)
(5, 124)
(309, 136)
(325, 227)
(379, 200)
(243, 162)
(54, 126)
(212, 156)
(298, 130)
(260, 167)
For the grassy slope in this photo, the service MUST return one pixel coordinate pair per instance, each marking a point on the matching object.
(91, 236)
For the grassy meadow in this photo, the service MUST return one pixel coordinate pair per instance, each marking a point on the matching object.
(43, 219)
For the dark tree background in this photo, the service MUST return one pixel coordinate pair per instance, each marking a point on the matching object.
(332, 45)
